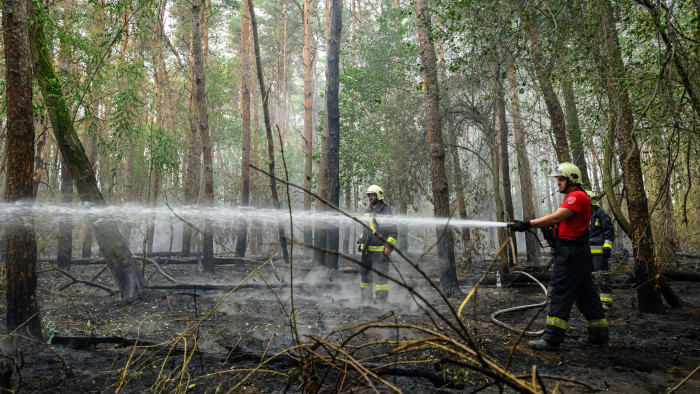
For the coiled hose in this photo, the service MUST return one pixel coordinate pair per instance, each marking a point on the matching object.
(520, 308)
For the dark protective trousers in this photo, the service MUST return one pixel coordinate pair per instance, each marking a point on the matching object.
(601, 274)
(571, 282)
(370, 282)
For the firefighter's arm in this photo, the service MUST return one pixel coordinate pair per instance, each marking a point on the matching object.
(553, 218)
(608, 235)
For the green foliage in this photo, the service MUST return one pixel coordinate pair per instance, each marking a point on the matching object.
(163, 150)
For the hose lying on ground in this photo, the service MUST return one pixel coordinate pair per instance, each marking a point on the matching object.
(520, 308)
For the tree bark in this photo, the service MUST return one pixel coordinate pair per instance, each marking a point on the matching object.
(268, 131)
(526, 193)
(20, 241)
(64, 239)
(112, 245)
(308, 118)
(242, 236)
(572, 123)
(203, 129)
(333, 109)
(544, 75)
(193, 166)
(504, 162)
(461, 203)
(320, 228)
(646, 269)
(446, 253)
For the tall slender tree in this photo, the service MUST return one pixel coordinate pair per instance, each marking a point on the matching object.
(112, 246)
(612, 68)
(242, 236)
(332, 106)
(524, 174)
(20, 241)
(308, 117)
(446, 253)
(203, 129)
(268, 130)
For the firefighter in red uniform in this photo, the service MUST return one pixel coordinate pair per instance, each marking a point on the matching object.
(571, 273)
(376, 242)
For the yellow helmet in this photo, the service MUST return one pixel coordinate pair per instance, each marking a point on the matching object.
(569, 171)
(374, 189)
(593, 197)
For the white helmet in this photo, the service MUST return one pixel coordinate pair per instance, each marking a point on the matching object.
(374, 189)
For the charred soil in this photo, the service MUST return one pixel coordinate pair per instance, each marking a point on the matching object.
(247, 338)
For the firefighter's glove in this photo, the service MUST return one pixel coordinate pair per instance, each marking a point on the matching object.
(520, 225)
(548, 234)
(606, 253)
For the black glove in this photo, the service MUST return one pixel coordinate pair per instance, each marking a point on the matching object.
(548, 234)
(606, 253)
(519, 225)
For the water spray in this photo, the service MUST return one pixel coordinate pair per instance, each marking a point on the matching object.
(46, 214)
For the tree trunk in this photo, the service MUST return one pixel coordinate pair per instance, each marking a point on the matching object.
(320, 228)
(86, 249)
(192, 166)
(526, 193)
(112, 246)
(504, 162)
(666, 29)
(646, 269)
(333, 109)
(203, 129)
(39, 162)
(20, 241)
(544, 75)
(461, 203)
(64, 239)
(268, 131)
(446, 253)
(572, 123)
(242, 236)
(308, 119)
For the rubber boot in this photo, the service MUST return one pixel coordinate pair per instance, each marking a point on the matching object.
(382, 296)
(596, 336)
(366, 293)
(542, 344)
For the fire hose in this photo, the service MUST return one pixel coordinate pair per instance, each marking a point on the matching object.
(520, 308)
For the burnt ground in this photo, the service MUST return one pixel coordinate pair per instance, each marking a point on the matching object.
(242, 340)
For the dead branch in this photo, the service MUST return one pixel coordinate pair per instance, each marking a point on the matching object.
(108, 289)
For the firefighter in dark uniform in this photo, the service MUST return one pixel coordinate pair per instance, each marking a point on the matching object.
(602, 234)
(571, 279)
(376, 243)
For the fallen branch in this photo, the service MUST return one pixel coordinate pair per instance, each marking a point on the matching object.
(159, 269)
(108, 289)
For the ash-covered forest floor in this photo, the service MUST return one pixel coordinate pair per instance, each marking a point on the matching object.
(190, 340)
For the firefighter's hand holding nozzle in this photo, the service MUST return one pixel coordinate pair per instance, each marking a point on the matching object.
(520, 225)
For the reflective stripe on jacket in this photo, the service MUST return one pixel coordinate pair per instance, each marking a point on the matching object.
(602, 232)
(378, 224)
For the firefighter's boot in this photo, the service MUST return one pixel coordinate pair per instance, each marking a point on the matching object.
(542, 344)
(366, 293)
(596, 336)
(382, 296)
